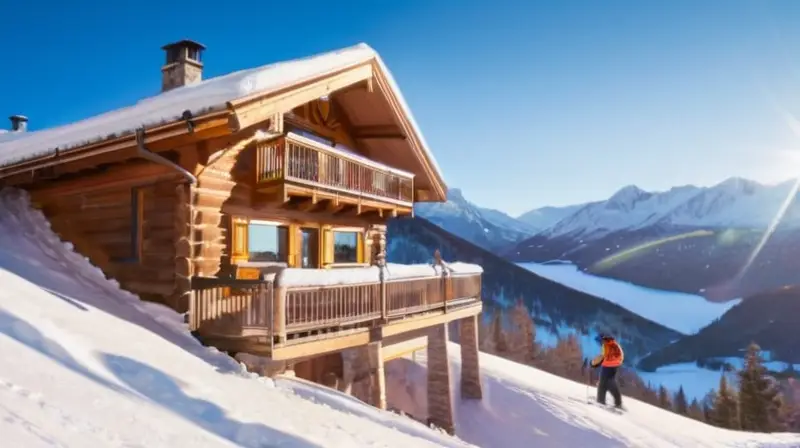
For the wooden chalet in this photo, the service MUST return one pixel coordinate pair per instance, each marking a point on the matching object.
(257, 202)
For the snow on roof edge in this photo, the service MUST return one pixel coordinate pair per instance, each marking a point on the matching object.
(206, 96)
(411, 120)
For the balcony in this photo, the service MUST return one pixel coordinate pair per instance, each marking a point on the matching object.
(309, 168)
(275, 315)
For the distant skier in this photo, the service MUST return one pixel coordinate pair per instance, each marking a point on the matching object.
(609, 361)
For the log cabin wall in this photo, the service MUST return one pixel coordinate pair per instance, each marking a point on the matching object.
(124, 221)
(222, 180)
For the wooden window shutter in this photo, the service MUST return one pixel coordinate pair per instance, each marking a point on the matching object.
(327, 245)
(295, 246)
(360, 248)
(239, 240)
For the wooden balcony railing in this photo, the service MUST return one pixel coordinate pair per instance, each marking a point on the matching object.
(238, 308)
(297, 159)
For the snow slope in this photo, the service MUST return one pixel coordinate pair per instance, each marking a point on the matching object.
(524, 407)
(88, 365)
(686, 313)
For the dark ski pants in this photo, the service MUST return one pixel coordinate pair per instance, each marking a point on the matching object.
(608, 383)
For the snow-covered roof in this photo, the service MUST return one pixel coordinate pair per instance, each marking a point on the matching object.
(205, 96)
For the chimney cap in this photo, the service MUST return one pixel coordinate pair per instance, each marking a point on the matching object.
(19, 123)
(184, 43)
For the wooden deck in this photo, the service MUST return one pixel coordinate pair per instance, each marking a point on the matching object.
(266, 318)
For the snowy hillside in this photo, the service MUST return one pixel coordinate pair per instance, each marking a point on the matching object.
(524, 407)
(94, 367)
(488, 228)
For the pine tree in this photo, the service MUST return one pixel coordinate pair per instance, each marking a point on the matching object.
(759, 396)
(681, 407)
(725, 410)
(696, 411)
(498, 333)
(525, 347)
(663, 398)
(708, 406)
(567, 358)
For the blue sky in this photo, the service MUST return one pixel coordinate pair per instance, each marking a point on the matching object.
(524, 104)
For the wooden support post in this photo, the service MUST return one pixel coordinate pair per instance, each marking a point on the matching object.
(440, 404)
(470, 360)
(377, 374)
(279, 313)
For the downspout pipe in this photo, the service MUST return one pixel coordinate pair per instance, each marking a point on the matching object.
(143, 152)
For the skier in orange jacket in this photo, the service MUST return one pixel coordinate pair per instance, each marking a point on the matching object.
(609, 360)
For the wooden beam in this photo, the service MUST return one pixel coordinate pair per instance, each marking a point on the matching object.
(383, 132)
(154, 138)
(138, 173)
(308, 204)
(334, 206)
(261, 107)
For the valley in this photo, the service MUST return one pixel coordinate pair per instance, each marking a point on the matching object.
(691, 259)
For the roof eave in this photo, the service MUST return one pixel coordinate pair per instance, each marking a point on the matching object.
(155, 133)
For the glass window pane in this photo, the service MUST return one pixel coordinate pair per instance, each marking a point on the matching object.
(345, 247)
(310, 248)
(267, 242)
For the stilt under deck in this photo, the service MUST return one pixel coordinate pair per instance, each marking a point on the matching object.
(341, 335)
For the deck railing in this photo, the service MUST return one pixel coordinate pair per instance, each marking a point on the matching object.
(304, 161)
(237, 308)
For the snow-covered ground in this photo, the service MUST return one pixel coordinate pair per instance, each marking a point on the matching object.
(686, 313)
(524, 407)
(88, 365)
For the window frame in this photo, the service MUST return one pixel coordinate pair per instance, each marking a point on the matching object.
(360, 256)
(264, 222)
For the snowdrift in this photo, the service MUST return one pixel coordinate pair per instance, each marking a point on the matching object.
(86, 364)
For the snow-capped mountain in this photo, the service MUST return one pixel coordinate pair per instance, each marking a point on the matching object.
(689, 238)
(542, 218)
(488, 228)
(733, 203)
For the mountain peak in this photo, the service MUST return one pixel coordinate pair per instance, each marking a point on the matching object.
(738, 185)
(628, 194)
(455, 195)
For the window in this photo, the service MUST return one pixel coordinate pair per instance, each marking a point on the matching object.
(346, 247)
(267, 242)
(309, 248)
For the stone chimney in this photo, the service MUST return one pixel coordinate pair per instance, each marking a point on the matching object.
(183, 66)
(19, 123)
